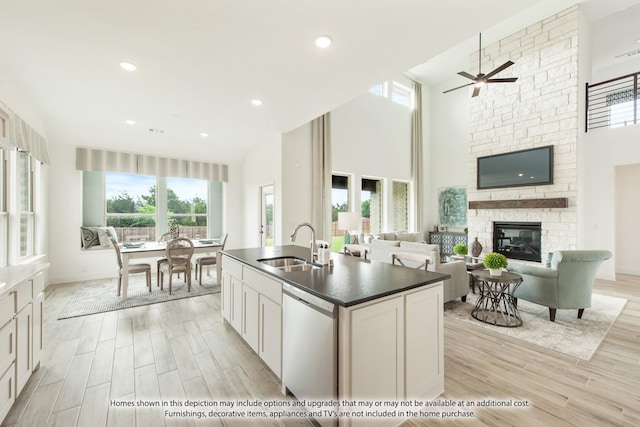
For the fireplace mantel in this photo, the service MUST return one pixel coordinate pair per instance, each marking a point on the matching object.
(560, 202)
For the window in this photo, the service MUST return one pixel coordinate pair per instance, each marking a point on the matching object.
(4, 224)
(339, 203)
(380, 90)
(400, 205)
(402, 95)
(371, 205)
(399, 93)
(141, 207)
(187, 205)
(25, 194)
(131, 206)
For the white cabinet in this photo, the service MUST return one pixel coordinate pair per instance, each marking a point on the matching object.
(250, 316)
(376, 350)
(252, 304)
(7, 354)
(270, 338)
(24, 337)
(232, 292)
(392, 348)
(21, 340)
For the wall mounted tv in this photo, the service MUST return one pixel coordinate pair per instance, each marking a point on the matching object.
(516, 169)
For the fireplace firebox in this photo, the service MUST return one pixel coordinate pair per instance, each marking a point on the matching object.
(518, 240)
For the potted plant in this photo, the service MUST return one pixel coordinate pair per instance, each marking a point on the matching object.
(460, 249)
(495, 262)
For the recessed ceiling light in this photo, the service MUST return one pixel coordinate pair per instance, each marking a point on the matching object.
(256, 102)
(323, 41)
(520, 174)
(204, 135)
(130, 122)
(128, 66)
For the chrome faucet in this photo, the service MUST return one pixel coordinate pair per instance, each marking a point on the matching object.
(314, 249)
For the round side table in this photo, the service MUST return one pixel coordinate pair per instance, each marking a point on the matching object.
(496, 304)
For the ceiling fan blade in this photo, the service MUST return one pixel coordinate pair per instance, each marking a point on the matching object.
(476, 90)
(459, 87)
(505, 80)
(467, 75)
(500, 68)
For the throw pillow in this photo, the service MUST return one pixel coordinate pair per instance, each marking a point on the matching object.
(104, 236)
(409, 237)
(381, 242)
(89, 237)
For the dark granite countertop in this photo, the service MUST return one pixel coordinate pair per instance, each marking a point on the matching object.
(350, 281)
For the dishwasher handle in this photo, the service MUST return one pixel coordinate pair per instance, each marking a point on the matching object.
(323, 306)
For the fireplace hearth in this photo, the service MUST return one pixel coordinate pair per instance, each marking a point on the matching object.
(518, 240)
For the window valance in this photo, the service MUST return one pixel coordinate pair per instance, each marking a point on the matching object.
(89, 159)
(25, 138)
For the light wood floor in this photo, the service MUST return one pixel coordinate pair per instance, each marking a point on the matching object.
(182, 350)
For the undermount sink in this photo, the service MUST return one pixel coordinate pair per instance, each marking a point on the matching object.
(289, 264)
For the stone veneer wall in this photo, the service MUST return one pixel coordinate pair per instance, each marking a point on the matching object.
(540, 109)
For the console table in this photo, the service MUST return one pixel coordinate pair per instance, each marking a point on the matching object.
(446, 240)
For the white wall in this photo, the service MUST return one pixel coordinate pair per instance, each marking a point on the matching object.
(262, 166)
(371, 138)
(627, 206)
(16, 99)
(601, 151)
(296, 182)
(68, 261)
(606, 149)
(446, 143)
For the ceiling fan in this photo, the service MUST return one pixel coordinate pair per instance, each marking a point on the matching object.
(481, 79)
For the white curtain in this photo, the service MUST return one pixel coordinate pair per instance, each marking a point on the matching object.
(88, 159)
(321, 176)
(417, 171)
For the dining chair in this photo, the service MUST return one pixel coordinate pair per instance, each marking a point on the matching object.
(178, 252)
(163, 239)
(140, 267)
(208, 260)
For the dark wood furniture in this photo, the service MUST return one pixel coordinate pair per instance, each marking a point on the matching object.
(496, 304)
(446, 240)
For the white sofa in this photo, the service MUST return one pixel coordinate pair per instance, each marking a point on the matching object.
(380, 250)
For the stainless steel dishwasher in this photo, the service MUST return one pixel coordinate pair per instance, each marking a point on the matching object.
(309, 353)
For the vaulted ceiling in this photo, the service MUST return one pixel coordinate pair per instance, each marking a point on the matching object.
(201, 62)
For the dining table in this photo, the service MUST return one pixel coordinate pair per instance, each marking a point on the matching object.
(157, 250)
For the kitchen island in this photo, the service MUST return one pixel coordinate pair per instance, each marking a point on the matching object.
(387, 337)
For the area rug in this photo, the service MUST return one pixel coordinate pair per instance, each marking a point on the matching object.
(568, 335)
(100, 296)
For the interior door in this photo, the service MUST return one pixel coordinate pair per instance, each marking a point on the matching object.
(267, 213)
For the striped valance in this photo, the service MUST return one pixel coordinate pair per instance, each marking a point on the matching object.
(25, 138)
(89, 159)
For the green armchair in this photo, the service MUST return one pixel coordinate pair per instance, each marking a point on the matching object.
(566, 282)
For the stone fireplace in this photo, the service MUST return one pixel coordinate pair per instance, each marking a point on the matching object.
(518, 240)
(542, 108)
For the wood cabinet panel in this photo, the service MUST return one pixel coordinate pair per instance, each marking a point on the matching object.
(23, 346)
(270, 346)
(250, 316)
(7, 345)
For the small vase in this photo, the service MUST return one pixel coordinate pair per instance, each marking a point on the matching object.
(495, 272)
(476, 248)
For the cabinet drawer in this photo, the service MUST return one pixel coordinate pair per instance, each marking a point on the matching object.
(7, 308)
(7, 391)
(23, 295)
(7, 345)
(272, 288)
(38, 284)
(231, 266)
